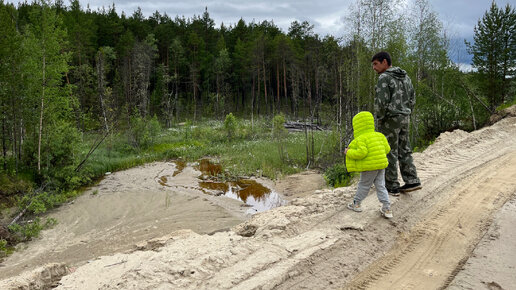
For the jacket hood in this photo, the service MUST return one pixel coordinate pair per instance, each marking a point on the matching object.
(396, 72)
(363, 122)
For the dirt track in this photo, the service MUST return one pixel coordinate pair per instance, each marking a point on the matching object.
(315, 243)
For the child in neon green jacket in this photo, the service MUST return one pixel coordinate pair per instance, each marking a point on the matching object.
(367, 154)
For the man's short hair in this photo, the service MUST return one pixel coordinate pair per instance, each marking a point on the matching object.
(381, 56)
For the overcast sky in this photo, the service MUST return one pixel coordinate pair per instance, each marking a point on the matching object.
(458, 16)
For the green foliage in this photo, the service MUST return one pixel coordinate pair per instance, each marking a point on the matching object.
(143, 132)
(30, 230)
(337, 175)
(60, 145)
(506, 105)
(493, 52)
(279, 133)
(187, 128)
(4, 250)
(26, 232)
(278, 127)
(230, 125)
(13, 185)
(40, 202)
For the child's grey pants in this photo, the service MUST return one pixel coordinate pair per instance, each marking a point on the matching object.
(367, 178)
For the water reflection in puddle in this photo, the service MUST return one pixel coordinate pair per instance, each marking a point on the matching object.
(209, 168)
(252, 193)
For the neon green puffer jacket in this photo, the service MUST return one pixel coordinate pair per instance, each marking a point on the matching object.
(368, 151)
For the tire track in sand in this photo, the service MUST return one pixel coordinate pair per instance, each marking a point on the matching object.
(443, 167)
(428, 255)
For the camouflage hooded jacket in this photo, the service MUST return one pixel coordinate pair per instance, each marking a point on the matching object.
(394, 94)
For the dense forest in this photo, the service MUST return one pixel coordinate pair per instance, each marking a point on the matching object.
(69, 75)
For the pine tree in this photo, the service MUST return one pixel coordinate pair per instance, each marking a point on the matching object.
(493, 52)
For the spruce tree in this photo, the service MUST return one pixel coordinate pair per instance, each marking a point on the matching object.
(493, 52)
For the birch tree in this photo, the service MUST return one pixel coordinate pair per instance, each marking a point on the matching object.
(46, 64)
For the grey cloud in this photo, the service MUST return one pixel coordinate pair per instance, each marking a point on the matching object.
(459, 16)
(282, 13)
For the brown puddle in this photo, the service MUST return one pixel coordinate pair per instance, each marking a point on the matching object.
(251, 188)
(180, 165)
(209, 168)
(215, 186)
(255, 195)
(252, 193)
(163, 181)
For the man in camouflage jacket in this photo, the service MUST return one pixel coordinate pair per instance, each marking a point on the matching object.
(394, 102)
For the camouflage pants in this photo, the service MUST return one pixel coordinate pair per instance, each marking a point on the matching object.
(396, 129)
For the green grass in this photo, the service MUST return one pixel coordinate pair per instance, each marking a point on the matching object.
(506, 105)
(250, 151)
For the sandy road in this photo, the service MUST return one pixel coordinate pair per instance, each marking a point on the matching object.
(429, 254)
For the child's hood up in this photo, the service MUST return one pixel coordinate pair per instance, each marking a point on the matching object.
(363, 122)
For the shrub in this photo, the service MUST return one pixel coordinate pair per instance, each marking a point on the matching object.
(12, 185)
(143, 132)
(337, 175)
(230, 124)
(279, 133)
(4, 249)
(30, 230)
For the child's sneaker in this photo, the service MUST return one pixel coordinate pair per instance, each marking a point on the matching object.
(355, 207)
(387, 213)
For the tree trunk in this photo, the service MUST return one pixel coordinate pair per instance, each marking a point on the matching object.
(100, 75)
(20, 143)
(295, 92)
(472, 114)
(278, 105)
(340, 112)
(217, 97)
(4, 145)
(176, 97)
(309, 96)
(252, 104)
(258, 94)
(316, 107)
(195, 99)
(264, 84)
(41, 115)
(285, 81)
(16, 150)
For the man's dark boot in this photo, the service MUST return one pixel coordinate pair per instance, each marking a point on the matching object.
(393, 191)
(410, 187)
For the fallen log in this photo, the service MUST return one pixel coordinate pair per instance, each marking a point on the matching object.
(292, 126)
